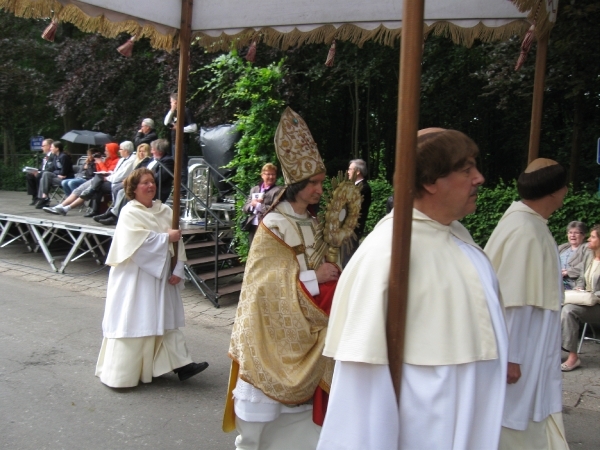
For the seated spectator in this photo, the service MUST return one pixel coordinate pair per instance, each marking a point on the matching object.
(142, 156)
(113, 183)
(63, 169)
(86, 172)
(572, 253)
(110, 217)
(89, 189)
(572, 316)
(33, 178)
(145, 134)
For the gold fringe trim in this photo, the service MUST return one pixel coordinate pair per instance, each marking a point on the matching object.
(356, 35)
(325, 34)
(45, 9)
(543, 24)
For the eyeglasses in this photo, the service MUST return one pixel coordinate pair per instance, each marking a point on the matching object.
(574, 232)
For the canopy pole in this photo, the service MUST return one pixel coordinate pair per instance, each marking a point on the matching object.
(409, 90)
(538, 97)
(185, 36)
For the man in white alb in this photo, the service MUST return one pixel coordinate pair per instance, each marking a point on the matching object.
(454, 370)
(525, 256)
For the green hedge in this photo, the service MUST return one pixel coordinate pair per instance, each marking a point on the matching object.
(380, 191)
(491, 204)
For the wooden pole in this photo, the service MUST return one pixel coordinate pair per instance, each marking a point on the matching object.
(185, 37)
(404, 175)
(538, 98)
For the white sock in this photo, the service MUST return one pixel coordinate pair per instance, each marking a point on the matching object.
(66, 208)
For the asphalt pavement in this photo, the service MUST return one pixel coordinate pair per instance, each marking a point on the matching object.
(50, 335)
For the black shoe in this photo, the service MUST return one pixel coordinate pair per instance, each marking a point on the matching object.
(91, 214)
(190, 370)
(42, 202)
(87, 194)
(112, 220)
(34, 201)
(106, 215)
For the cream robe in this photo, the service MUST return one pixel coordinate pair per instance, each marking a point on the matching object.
(139, 299)
(525, 256)
(454, 330)
(442, 406)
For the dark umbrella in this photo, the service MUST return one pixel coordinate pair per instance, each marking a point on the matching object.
(87, 137)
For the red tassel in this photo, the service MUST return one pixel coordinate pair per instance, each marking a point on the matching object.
(525, 47)
(127, 48)
(251, 55)
(330, 55)
(50, 31)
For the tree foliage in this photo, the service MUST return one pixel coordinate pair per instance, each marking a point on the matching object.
(253, 95)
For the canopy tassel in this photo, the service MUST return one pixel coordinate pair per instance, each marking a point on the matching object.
(525, 47)
(127, 48)
(251, 55)
(330, 55)
(50, 31)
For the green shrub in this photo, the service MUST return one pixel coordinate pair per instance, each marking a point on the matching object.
(380, 191)
(492, 202)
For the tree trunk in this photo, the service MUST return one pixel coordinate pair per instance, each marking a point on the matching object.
(367, 155)
(353, 101)
(576, 140)
(356, 120)
(9, 145)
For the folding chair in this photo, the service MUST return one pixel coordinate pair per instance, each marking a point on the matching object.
(584, 338)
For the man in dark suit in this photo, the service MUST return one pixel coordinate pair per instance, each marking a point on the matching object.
(358, 171)
(33, 178)
(164, 179)
(146, 134)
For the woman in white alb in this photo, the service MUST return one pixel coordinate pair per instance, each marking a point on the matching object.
(143, 304)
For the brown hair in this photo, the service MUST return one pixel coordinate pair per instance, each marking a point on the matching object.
(542, 182)
(130, 183)
(439, 153)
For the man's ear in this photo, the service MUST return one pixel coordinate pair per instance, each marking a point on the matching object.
(430, 188)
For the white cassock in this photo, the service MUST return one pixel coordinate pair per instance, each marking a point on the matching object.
(453, 406)
(525, 256)
(143, 311)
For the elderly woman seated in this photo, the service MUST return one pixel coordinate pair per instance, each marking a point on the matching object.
(572, 253)
(572, 316)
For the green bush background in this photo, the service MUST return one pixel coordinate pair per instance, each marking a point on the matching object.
(491, 204)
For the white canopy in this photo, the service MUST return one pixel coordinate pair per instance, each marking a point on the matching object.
(218, 23)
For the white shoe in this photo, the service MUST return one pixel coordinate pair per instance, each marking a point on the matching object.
(58, 209)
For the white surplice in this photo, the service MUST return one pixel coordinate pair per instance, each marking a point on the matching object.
(139, 299)
(442, 407)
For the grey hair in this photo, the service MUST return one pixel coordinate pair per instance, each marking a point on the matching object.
(581, 227)
(127, 146)
(148, 122)
(161, 145)
(361, 166)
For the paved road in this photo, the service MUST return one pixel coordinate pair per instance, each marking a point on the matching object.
(50, 398)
